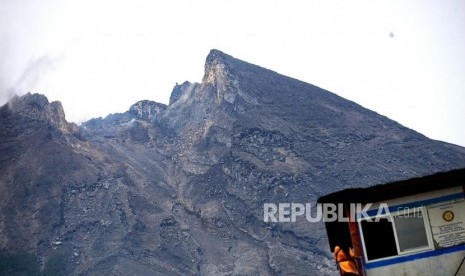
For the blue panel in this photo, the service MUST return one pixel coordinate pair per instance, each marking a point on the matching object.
(409, 258)
(420, 203)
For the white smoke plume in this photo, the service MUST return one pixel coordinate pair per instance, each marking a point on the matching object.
(30, 77)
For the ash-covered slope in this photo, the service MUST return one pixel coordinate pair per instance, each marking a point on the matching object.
(179, 189)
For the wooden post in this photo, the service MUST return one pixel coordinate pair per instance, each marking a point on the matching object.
(355, 237)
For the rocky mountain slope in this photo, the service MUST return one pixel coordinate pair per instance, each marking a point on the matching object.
(179, 189)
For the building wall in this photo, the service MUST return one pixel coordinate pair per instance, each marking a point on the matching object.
(447, 235)
(443, 265)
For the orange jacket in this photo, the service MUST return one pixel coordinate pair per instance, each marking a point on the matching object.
(346, 264)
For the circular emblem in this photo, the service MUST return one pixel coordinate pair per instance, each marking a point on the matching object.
(448, 215)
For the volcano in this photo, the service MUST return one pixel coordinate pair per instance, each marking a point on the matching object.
(179, 189)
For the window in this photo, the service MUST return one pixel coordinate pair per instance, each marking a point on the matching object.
(411, 231)
(379, 239)
(399, 233)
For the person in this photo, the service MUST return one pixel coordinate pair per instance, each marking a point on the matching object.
(346, 262)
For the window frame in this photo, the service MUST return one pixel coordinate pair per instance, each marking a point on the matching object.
(406, 211)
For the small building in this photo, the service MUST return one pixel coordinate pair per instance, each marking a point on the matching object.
(420, 229)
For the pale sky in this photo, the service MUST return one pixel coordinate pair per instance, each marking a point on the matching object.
(404, 59)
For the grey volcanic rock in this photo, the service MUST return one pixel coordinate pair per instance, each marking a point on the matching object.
(179, 189)
(181, 91)
(37, 108)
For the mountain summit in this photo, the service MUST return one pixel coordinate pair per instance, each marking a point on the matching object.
(179, 189)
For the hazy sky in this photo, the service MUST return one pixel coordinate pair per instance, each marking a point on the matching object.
(404, 59)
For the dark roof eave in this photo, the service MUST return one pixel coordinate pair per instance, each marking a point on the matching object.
(396, 189)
